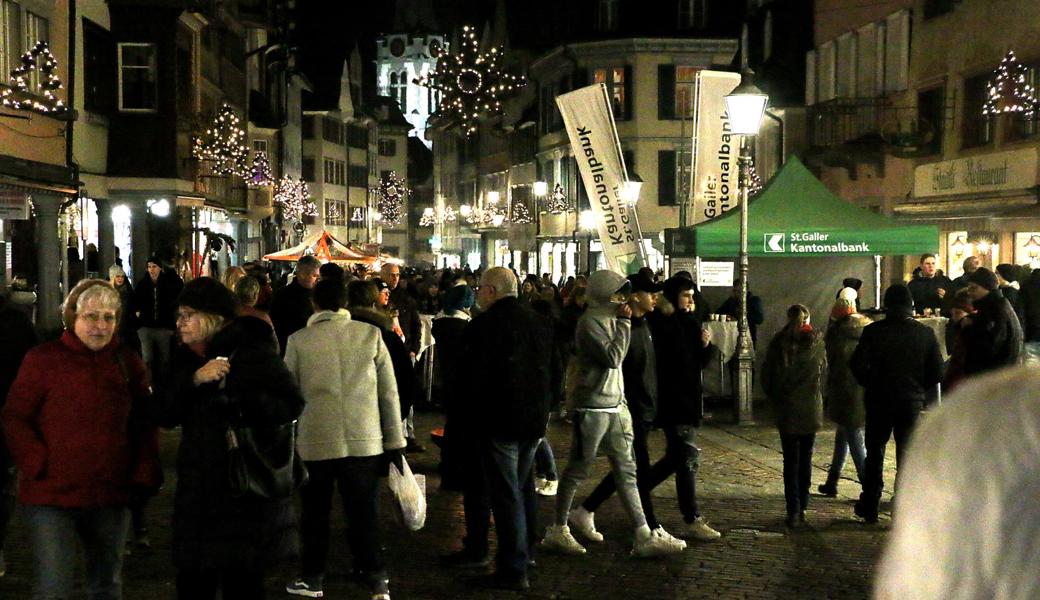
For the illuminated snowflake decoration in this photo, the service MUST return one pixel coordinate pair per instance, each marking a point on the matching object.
(293, 196)
(42, 100)
(224, 145)
(556, 203)
(521, 215)
(1008, 91)
(471, 82)
(260, 173)
(392, 194)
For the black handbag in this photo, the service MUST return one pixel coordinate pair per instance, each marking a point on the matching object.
(264, 463)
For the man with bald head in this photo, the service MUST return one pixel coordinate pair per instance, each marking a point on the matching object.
(507, 396)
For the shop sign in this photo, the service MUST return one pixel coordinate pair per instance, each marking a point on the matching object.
(14, 205)
(1000, 171)
(813, 242)
(715, 274)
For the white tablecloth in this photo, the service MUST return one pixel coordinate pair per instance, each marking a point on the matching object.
(425, 333)
(938, 325)
(724, 336)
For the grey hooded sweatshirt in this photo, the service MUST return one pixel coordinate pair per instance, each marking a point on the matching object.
(601, 342)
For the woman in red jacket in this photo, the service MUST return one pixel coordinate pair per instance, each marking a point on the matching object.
(71, 424)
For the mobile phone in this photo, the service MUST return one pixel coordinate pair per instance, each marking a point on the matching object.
(223, 358)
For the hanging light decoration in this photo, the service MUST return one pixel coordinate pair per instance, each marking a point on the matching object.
(557, 202)
(754, 182)
(1008, 91)
(224, 145)
(260, 173)
(521, 215)
(471, 82)
(293, 196)
(43, 101)
(392, 193)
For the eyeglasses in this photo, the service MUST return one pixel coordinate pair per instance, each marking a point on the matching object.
(185, 315)
(96, 318)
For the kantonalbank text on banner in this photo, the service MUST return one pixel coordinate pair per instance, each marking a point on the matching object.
(590, 126)
(715, 149)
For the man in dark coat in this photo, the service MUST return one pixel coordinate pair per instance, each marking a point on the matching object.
(898, 363)
(155, 297)
(408, 317)
(291, 306)
(993, 335)
(755, 311)
(1030, 298)
(509, 394)
(929, 286)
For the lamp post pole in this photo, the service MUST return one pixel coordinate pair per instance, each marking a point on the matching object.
(745, 350)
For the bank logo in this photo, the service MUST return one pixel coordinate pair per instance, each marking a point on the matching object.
(774, 243)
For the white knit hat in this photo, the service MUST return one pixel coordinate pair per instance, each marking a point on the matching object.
(848, 294)
(116, 271)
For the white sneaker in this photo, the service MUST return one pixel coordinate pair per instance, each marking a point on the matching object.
(700, 530)
(671, 538)
(584, 523)
(547, 488)
(558, 538)
(656, 544)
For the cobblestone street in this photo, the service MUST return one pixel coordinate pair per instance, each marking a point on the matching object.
(741, 494)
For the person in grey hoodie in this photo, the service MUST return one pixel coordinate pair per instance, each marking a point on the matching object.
(350, 428)
(601, 418)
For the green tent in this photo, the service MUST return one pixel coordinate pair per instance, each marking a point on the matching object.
(796, 215)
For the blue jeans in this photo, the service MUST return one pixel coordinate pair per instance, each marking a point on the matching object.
(847, 439)
(545, 461)
(509, 469)
(57, 534)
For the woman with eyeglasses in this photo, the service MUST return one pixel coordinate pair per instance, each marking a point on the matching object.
(226, 371)
(80, 445)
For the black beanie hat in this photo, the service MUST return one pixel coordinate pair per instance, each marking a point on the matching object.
(898, 296)
(674, 286)
(208, 295)
(1007, 272)
(983, 277)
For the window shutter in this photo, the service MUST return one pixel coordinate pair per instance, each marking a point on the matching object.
(628, 92)
(866, 61)
(665, 92)
(666, 177)
(897, 51)
(845, 72)
(810, 78)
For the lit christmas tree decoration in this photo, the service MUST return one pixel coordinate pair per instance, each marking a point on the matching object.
(18, 96)
(471, 82)
(1008, 90)
(260, 173)
(293, 196)
(557, 202)
(392, 193)
(224, 145)
(521, 215)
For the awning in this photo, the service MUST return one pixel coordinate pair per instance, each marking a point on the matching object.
(325, 248)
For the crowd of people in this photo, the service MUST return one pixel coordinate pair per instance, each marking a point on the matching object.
(333, 353)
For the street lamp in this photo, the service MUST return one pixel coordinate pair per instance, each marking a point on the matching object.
(540, 189)
(745, 105)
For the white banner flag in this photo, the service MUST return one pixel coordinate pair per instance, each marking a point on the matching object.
(713, 183)
(594, 140)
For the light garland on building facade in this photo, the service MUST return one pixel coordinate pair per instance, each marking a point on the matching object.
(42, 101)
(392, 194)
(260, 173)
(224, 145)
(293, 196)
(471, 82)
(556, 203)
(521, 215)
(432, 216)
(1008, 90)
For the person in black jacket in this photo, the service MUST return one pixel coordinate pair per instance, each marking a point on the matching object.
(1030, 298)
(508, 395)
(448, 328)
(226, 371)
(993, 335)
(756, 313)
(155, 298)
(291, 306)
(929, 286)
(1011, 289)
(898, 363)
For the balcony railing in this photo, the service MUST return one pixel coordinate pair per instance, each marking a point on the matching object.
(844, 120)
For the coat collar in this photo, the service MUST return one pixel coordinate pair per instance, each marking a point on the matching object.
(71, 341)
(328, 315)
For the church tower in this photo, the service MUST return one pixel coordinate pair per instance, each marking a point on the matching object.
(408, 52)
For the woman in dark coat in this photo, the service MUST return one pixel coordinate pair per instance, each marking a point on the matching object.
(792, 377)
(226, 370)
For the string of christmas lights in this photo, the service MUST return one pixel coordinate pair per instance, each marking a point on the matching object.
(224, 145)
(41, 100)
(1008, 90)
(556, 203)
(521, 215)
(293, 196)
(471, 82)
(260, 173)
(754, 181)
(392, 193)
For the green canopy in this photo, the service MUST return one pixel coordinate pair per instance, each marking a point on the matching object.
(796, 215)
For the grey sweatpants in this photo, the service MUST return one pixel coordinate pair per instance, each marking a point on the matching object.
(613, 433)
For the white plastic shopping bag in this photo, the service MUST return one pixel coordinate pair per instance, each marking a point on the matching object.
(410, 493)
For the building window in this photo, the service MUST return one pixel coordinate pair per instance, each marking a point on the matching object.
(387, 147)
(976, 128)
(667, 177)
(331, 130)
(307, 127)
(931, 108)
(608, 15)
(260, 146)
(614, 78)
(357, 136)
(936, 8)
(307, 170)
(399, 89)
(334, 171)
(358, 176)
(693, 14)
(99, 68)
(1018, 127)
(684, 78)
(335, 212)
(36, 30)
(9, 27)
(137, 78)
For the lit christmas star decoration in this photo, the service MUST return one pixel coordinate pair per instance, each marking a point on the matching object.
(42, 100)
(471, 82)
(392, 193)
(521, 215)
(260, 172)
(293, 196)
(1008, 90)
(556, 203)
(224, 145)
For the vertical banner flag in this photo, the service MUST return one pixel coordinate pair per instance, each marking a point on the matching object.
(714, 174)
(594, 140)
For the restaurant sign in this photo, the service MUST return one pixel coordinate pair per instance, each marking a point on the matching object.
(996, 172)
